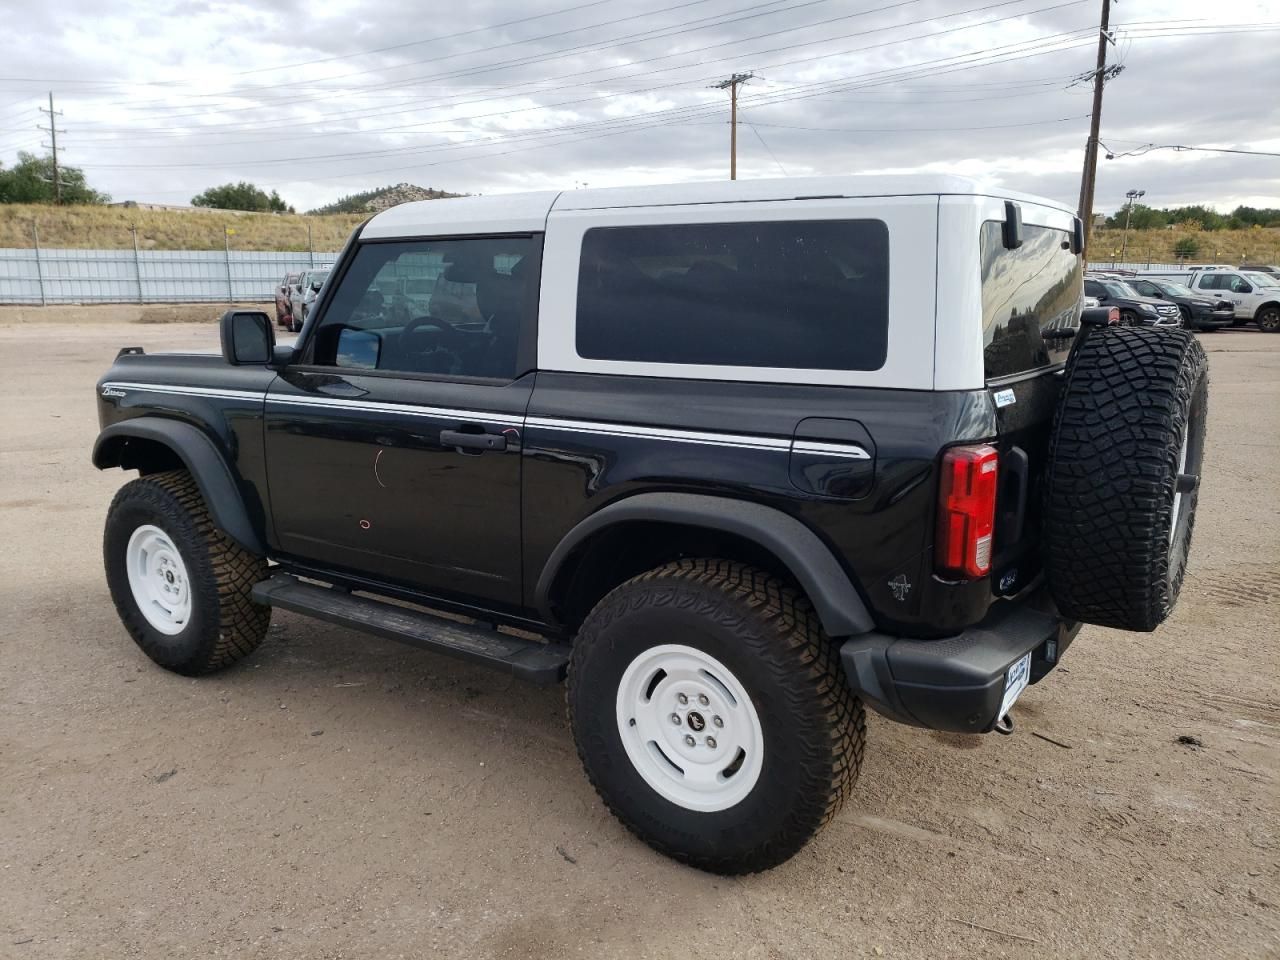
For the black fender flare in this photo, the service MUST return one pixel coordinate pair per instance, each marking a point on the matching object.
(203, 459)
(811, 562)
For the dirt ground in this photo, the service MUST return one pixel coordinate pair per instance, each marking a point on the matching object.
(339, 796)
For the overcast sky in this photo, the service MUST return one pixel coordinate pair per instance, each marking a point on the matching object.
(329, 97)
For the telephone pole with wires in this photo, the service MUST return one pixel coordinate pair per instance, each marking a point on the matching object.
(1089, 178)
(53, 132)
(732, 85)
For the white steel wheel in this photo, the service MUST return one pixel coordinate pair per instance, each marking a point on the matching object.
(158, 579)
(689, 728)
(1177, 492)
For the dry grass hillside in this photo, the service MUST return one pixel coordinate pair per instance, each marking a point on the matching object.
(1255, 245)
(108, 228)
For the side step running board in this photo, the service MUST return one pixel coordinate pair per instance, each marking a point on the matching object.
(542, 663)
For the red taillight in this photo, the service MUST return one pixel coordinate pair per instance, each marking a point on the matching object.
(967, 511)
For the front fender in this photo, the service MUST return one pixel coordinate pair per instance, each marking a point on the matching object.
(202, 458)
(810, 561)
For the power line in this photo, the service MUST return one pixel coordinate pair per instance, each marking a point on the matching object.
(366, 114)
(935, 67)
(1146, 148)
(613, 127)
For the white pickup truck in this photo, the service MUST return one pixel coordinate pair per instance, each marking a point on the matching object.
(1256, 295)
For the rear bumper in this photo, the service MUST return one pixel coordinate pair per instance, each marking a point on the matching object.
(956, 683)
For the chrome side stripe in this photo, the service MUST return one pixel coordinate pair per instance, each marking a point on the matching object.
(404, 409)
(852, 451)
(631, 431)
(184, 391)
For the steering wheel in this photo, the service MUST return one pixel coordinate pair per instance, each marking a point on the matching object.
(442, 349)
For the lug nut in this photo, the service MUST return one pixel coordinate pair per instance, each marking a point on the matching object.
(689, 741)
(702, 699)
(682, 698)
(717, 721)
(711, 742)
(675, 718)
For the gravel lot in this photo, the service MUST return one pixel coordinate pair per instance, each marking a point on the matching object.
(342, 796)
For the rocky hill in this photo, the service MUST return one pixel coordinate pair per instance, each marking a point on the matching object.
(371, 201)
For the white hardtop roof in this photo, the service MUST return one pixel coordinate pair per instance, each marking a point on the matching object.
(528, 212)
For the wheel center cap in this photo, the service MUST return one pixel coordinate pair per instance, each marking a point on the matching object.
(168, 575)
(696, 721)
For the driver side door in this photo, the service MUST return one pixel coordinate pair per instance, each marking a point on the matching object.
(393, 444)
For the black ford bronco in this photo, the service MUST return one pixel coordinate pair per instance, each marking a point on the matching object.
(716, 452)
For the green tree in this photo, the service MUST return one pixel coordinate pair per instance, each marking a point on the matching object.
(1207, 217)
(241, 196)
(1142, 218)
(30, 180)
(1186, 248)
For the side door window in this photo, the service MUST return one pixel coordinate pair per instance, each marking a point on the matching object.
(1209, 281)
(436, 308)
(1094, 289)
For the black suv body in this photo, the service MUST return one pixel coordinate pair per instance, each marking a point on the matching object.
(1135, 309)
(1198, 313)
(710, 449)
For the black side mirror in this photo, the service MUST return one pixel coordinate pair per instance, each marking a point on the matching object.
(248, 336)
(1012, 227)
(316, 286)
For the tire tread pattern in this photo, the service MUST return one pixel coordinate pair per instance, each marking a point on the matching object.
(1112, 465)
(779, 626)
(240, 624)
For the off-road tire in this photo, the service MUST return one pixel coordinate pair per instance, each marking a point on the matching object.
(225, 623)
(769, 637)
(1268, 319)
(1128, 399)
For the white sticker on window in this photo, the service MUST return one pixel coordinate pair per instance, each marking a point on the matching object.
(1004, 398)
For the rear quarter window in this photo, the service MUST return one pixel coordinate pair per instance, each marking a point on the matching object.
(1025, 293)
(808, 294)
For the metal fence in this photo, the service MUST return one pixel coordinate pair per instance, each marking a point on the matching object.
(45, 276)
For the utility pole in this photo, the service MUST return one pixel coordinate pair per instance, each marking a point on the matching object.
(53, 132)
(732, 85)
(1090, 176)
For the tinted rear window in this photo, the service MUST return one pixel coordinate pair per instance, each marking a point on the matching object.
(794, 294)
(1026, 292)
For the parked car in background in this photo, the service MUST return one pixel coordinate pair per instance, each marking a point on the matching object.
(304, 295)
(1199, 312)
(283, 305)
(1268, 268)
(1135, 309)
(1255, 295)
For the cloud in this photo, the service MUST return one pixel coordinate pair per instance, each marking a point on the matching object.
(323, 99)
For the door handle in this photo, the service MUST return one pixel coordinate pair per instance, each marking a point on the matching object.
(472, 441)
(341, 389)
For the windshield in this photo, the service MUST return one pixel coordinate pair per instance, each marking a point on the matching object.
(1173, 289)
(1262, 280)
(1118, 289)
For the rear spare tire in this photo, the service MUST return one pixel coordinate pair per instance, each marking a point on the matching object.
(1123, 475)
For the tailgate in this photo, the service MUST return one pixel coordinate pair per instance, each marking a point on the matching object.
(1024, 419)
